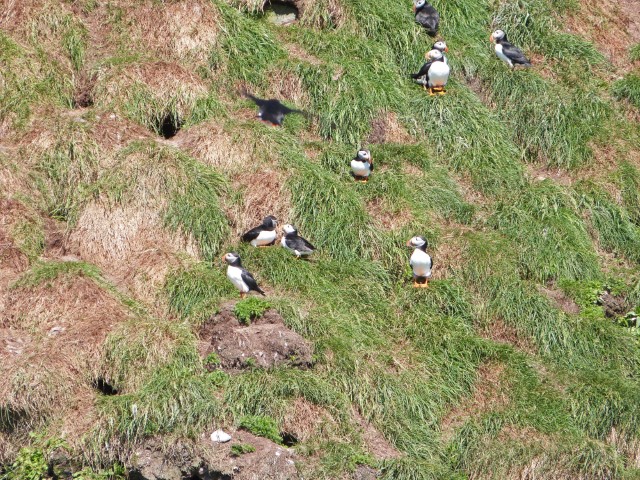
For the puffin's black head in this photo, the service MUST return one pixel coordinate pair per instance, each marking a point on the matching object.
(289, 230)
(498, 36)
(232, 259)
(364, 155)
(440, 46)
(419, 5)
(418, 242)
(269, 222)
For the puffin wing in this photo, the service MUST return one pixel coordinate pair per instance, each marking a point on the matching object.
(423, 71)
(429, 18)
(248, 279)
(252, 234)
(258, 101)
(299, 244)
(514, 54)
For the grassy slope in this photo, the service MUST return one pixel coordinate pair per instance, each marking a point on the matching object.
(413, 363)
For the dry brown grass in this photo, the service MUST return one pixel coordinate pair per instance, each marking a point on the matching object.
(613, 25)
(376, 444)
(500, 332)
(263, 193)
(307, 421)
(168, 85)
(489, 394)
(386, 128)
(210, 143)
(184, 31)
(49, 345)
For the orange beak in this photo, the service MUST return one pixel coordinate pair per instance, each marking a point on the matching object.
(409, 243)
(491, 38)
(223, 258)
(446, 49)
(371, 160)
(414, 9)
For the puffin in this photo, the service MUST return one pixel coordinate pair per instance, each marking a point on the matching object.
(295, 243)
(442, 48)
(263, 235)
(272, 111)
(506, 52)
(420, 262)
(362, 166)
(239, 276)
(433, 74)
(427, 16)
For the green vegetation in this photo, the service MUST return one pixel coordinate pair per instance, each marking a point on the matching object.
(250, 309)
(242, 448)
(628, 88)
(525, 184)
(262, 426)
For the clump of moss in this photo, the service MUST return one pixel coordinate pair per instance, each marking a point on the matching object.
(262, 426)
(250, 309)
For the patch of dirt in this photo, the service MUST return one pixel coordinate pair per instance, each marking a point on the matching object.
(612, 25)
(267, 341)
(307, 421)
(157, 460)
(627, 445)
(489, 394)
(83, 91)
(212, 145)
(386, 128)
(382, 213)
(376, 443)
(538, 173)
(500, 332)
(365, 472)
(613, 306)
(560, 300)
(297, 52)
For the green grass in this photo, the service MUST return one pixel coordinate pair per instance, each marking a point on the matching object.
(249, 309)
(404, 360)
(628, 88)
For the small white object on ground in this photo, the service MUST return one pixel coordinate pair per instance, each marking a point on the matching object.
(220, 437)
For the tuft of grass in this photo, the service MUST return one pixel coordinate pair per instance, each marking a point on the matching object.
(47, 272)
(195, 292)
(615, 230)
(262, 426)
(242, 448)
(249, 309)
(553, 240)
(628, 88)
(629, 181)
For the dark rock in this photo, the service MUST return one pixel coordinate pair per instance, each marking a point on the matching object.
(613, 306)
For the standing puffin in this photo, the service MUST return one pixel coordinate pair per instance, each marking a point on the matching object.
(239, 276)
(263, 235)
(271, 111)
(420, 262)
(362, 166)
(442, 48)
(294, 242)
(435, 73)
(427, 16)
(506, 52)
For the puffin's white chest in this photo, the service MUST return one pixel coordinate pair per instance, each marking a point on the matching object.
(361, 169)
(501, 55)
(421, 263)
(438, 74)
(264, 238)
(235, 275)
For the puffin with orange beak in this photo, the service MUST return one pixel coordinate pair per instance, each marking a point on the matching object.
(239, 276)
(506, 52)
(442, 48)
(420, 262)
(427, 16)
(362, 166)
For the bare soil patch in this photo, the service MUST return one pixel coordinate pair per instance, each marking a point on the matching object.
(376, 443)
(489, 394)
(267, 341)
(560, 300)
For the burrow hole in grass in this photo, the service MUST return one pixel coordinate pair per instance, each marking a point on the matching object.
(281, 12)
(104, 387)
(289, 439)
(168, 125)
